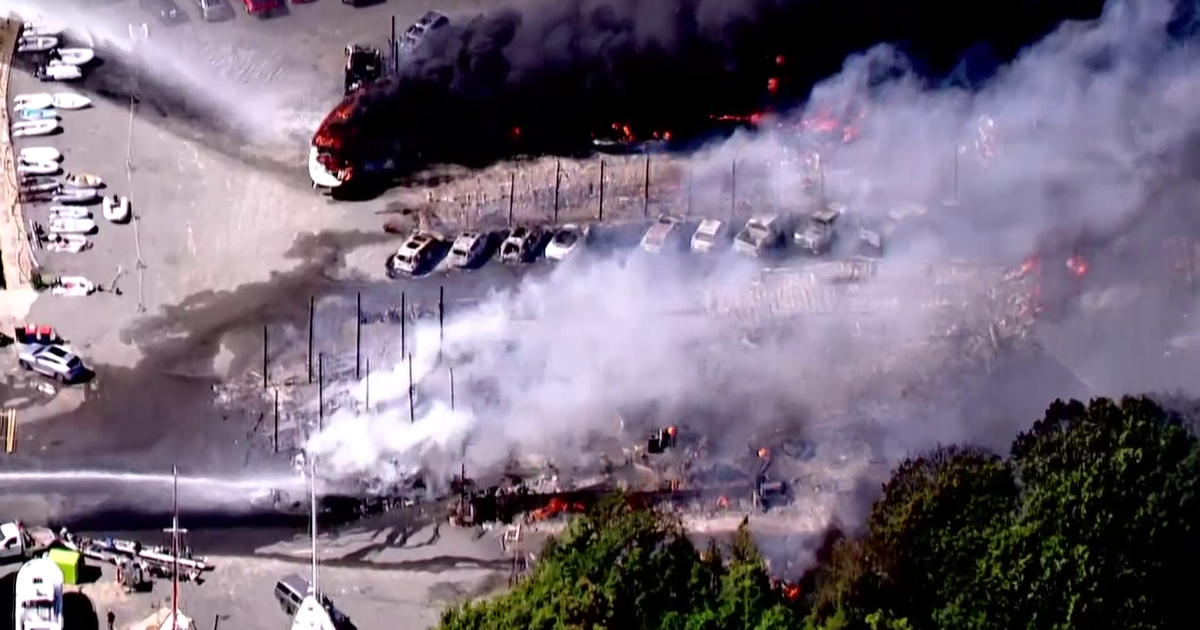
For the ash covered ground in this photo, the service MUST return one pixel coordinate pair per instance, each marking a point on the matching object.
(1091, 138)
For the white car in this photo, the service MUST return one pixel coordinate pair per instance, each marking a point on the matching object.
(663, 234)
(413, 255)
(568, 239)
(55, 361)
(712, 235)
(467, 249)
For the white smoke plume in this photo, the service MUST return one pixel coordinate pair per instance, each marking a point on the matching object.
(1086, 130)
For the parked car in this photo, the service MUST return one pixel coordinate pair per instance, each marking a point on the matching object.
(263, 9)
(665, 233)
(817, 233)
(414, 255)
(760, 236)
(364, 64)
(215, 10)
(567, 240)
(419, 30)
(712, 235)
(164, 10)
(54, 361)
(467, 249)
(520, 245)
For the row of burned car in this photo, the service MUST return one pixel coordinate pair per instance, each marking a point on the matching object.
(831, 229)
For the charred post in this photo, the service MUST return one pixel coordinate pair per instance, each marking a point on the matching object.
(412, 409)
(646, 190)
(266, 359)
(275, 431)
(321, 391)
(441, 314)
(600, 212)
(312, 316)
(403, 324)
(512, 196)
(358, 336)
(557, 184)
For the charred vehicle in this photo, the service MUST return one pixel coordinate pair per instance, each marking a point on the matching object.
(364, 64)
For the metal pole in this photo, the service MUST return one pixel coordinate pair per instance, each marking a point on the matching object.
(266, 360)
(451, 389)
(601, 213)
(412, 411)
(358, 336)
(646, 190)
(321, 391)
(512, 196)
(557, 183)
(733, 190)
(441, 313)
(395, 49)
(312, 313)
(275, 434)
(403, 324)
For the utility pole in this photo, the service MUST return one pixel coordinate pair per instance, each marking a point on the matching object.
(312, 313)
(358, 336)
(557, 184)
(275, 441)
(646, 190)
(321, 391)
(600, 214)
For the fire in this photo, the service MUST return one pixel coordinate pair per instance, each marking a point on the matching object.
(772, 85)
(764, 453)
(671, 431)
(555, 507)
(516, 133)
(1029, 266)
(722, 502)
(779, 60)
(1077, 265)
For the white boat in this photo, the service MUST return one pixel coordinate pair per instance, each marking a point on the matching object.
(69, 212)
(76, 195)
(73, 56)
(69, 100)
(37, 44)
(73, 286)
(116, 208)
(38, 596)
(39, 28)
(33, 101)
(58, 72)
(40, 154)
(38, 183)
(62, 225)
(68, 243)
(83, 180)
(28, 128)
(37, 114)
(25, 167)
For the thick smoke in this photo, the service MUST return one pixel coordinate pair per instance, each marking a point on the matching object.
(562, 71)
(1086, 140)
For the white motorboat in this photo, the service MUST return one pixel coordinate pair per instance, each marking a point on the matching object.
(58, 72)
(73, 56)
(73, 286)
(62, 225)
(69, 100)
(40, 154)
(41, 28)
(34, 184)
(28, 128)
(37, 44)
(68, 243)
(33, 101)
(38, 596)
(116, 208)
(76, 195)
(69, 212)
(25, 167)
(37, 114)
(83, 180)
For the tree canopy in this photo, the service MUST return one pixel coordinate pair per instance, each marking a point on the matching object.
(1090, 521)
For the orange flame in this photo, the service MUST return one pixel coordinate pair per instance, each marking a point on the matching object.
(555, 507)
(764, 453)
(722, 502)
(772, 85)
(1077, 265)
(671, 431)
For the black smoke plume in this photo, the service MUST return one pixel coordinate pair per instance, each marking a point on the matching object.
(549, 77)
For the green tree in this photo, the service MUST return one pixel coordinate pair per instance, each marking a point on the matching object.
(620, 568)
(1107, 528)
(919, 559)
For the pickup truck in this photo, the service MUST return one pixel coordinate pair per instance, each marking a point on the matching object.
(19, 543)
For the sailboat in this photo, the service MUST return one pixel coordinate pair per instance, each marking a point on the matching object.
(175, 620)
(313, 613)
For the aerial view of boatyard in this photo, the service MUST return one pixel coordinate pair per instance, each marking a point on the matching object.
(364, 314)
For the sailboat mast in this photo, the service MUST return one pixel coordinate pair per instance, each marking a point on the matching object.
(312, 485)
(175, 548)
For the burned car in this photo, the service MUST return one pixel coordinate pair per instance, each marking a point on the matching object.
(467, 249)
(817, 233)
(419, 30)
(520, 245)
(760, 236)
